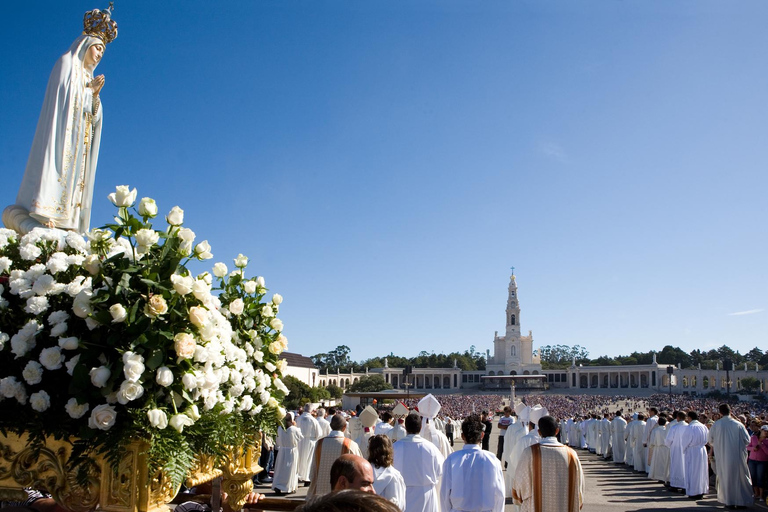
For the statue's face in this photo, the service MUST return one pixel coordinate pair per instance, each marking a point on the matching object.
(92, 56)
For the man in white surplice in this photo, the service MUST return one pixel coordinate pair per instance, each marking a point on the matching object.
(311, 432)
(638, 440)
(658, 453)
(694, 438)
(674, 442)
(472, 477)
(325, 425)
(605, 436)
(729, 441)
(535, 413)
(421, 464)
(650, 423)
(618, 425)
(511, 455)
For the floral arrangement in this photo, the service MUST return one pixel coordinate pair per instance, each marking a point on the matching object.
(109, 338)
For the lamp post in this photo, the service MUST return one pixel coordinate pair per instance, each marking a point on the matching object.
(670, 371)
(728, 366)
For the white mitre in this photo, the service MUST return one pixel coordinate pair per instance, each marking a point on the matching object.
(368, 417)
(400, 410)
(524, 413)
(536, 413)
(428, 406)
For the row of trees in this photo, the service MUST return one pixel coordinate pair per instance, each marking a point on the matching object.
(561, 356)
(338, 360)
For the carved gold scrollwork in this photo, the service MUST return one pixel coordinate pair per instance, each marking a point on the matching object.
(202, 471)
(239, 466)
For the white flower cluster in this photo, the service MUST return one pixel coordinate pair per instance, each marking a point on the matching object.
(65, 286)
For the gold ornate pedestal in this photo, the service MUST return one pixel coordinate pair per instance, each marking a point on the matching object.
(130, 489)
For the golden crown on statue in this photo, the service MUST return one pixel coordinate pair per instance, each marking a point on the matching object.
(99, 24)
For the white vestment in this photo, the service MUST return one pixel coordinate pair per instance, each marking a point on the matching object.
(325, 426)
(694, 438)
(565, 431)
(439, 439)
(649, 426)
(629, 451)
(362, 441)
(327, 450)
(658, 453)
(382, 428)
(421, 464)
(618, 425)
(638, 437)
(729, 441)
(398, 432)
(511, 455)
(605, 437)
(59, 177)
(472, 480)
(311, 432)
(389, 484)
(674, 442)
(286, 466)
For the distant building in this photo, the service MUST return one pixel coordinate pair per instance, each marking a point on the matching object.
(302, 368)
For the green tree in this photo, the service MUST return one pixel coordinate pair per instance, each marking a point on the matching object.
(674, 355)
(370, 383)
(300, 393)
(754, 355)
(750, 384)
(335, 391)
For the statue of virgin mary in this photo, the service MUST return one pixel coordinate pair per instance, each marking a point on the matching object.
(57, 188)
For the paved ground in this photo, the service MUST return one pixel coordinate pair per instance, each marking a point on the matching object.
(612, 488)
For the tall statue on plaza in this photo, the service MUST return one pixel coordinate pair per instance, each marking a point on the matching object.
(57, 188)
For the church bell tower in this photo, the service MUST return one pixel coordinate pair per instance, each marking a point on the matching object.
(513, 308)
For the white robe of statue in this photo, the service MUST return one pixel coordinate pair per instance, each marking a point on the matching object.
(729, 441)
(618, 426)
(58, 181)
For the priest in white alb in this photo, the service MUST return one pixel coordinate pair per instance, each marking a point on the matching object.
(421, 464)
(428, 408)
(368, 417)
(694, 439)
(311, 432)
(511, 455)
(618, 426)
(472, 477)
(729, 441)
(674, 442)
(658, 452)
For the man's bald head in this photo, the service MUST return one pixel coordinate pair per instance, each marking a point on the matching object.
(352, 472)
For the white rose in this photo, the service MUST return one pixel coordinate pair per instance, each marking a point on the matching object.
(258, 356)
(260, 282)
(164, 376)
(201, 290)
(184, 344)
(81, 306)
(179, 421)
(272, 403)
(241, 261)
(267, 312)
(157, 418)
(51, 358)
(58, 329)
(70, 343)
(36, 305)
(182, 284)
(123, 196)
(133, 366)
(146, 238)
(175, 217)
(102, 417)
(202, 250)
(100, 376)
(189, 381)
(275, 347)
(44, 285)
(33, 373)
(270, 367)
(187, 237)
(129, 391)
(40, 401)
(74, 409)
(276, 324)
(156, 306)
(147, 207)
(92, 264)
(118, 312)
(193, 413)
(219, 270)
(198, 316)
(5, 264)
(277, 299)
(282, 365)
(70, 365)
(249, 287)
(91, 323)
(237, 306)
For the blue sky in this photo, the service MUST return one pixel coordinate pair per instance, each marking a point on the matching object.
(383, 164)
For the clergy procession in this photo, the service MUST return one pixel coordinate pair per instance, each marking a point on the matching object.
(535, 465)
